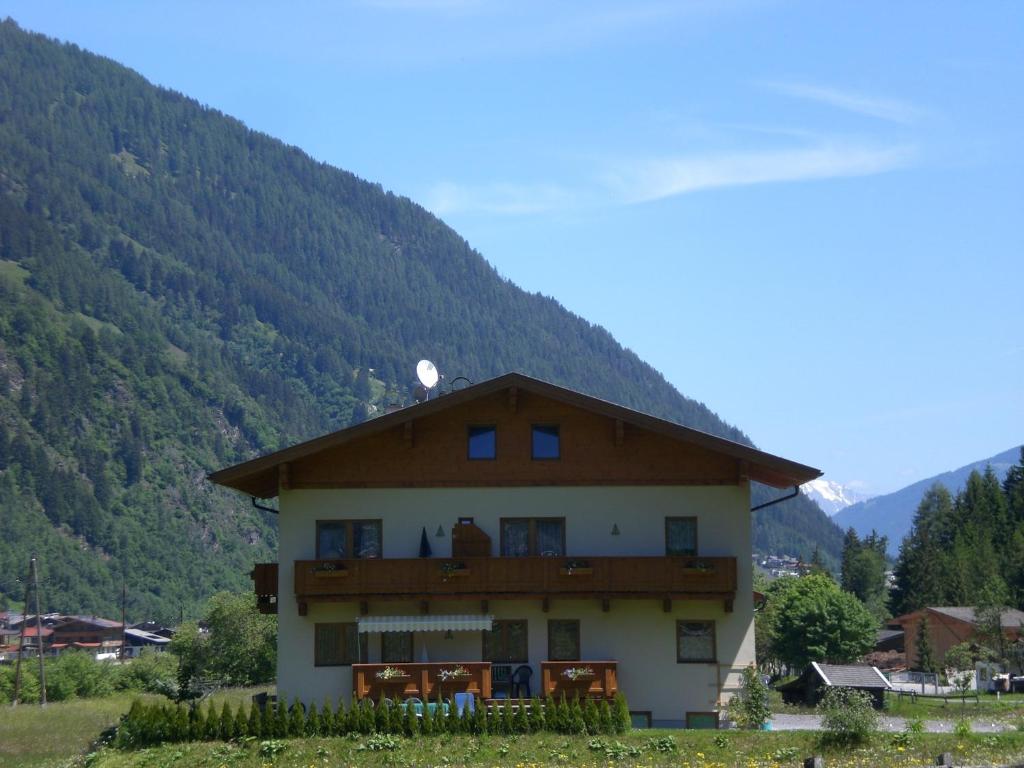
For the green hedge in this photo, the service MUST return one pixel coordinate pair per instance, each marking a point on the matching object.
(150, 724)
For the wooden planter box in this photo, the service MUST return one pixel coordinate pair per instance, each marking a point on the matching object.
(575, 571)
(329, 574)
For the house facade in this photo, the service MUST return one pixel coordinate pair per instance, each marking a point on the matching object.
(521, 535)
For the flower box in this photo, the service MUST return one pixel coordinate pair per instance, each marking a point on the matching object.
(575, 571)
(392, 675)
(453, 674)
(579, 674)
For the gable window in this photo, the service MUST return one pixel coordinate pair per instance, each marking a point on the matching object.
(681, 535)
(525, 536)
(341, 539)
(337, 644)
(563, 639)
(695, 642)
(396, 647)
(546, 443)
(482, 443)
(506, 642)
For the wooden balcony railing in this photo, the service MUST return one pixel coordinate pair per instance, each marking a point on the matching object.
(424, 681)
(482, 578)
(579, 679)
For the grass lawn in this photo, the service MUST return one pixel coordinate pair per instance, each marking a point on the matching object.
(1009, 707)
(53, 735)
(680, 749)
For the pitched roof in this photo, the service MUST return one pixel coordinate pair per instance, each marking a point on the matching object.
(1010, 618)
(259, 477)
(851, 675)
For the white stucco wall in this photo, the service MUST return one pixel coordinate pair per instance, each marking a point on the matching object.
(636, 633)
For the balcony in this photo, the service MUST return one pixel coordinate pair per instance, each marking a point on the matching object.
(426, 681)
(579, 679)
(264, 577)
(504, 578)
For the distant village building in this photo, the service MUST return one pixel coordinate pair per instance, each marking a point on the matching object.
(949, 626)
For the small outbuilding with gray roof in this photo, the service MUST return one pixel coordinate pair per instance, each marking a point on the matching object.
(817, 678)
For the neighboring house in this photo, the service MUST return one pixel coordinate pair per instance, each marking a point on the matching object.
(949, 626)
(809, 688)
(509, 538)
(136, 640)
(154, 628)
(86, 631)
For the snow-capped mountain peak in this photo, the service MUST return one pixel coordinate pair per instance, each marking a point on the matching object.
(830, 495)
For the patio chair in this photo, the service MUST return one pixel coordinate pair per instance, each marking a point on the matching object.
(501, 680)
(520, 681)
(463, 700)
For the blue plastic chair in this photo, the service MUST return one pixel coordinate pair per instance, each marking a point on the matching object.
(463, 700)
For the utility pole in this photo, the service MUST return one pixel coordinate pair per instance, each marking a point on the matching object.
(124, 599)
(39, 632)
(31, 585)
(21, 635)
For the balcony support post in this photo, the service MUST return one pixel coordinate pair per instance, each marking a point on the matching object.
(303, 608)
(545, 604)
(666, 604)
(728, 605)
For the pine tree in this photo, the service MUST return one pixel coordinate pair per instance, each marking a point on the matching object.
(296, 719)
(520, 723)
(925, 661)
(327, 721)
(380, 715)
(410, 726)
(281, 718)
(604, 718)
(620, 714)
(590, 717)
(226, 726)
(536, 716)
(312, 728)
(255, 724)
(240, 729)
(427, 721)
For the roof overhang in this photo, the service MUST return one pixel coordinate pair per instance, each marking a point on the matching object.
(259, 477)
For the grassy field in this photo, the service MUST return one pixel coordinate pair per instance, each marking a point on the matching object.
(1007, 708)
(61, 734)
(42, 737)
(690, 749)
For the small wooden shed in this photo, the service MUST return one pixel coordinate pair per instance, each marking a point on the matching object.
(811, 685)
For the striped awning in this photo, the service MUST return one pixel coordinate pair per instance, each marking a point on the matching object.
(424, 623)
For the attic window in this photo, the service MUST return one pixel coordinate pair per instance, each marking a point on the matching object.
(546, 443)
(482, 443)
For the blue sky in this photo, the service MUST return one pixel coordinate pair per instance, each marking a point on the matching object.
(807, 215)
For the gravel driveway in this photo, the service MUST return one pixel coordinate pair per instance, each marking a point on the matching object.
(890, 724)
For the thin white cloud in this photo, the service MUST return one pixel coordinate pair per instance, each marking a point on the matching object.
(892, 110)
(667, 177)
(499, 198)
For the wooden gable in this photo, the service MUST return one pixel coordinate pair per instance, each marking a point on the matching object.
(433, 452)
(425, 445)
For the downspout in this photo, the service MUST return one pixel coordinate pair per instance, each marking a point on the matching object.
(261, 507)
(795, 493)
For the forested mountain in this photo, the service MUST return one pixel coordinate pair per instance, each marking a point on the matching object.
(967, 548)
(892, 515)
(178, 293)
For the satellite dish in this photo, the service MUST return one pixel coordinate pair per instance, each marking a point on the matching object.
(426, 373)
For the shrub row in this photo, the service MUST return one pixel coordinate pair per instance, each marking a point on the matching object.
(149, 724)
(77, 674)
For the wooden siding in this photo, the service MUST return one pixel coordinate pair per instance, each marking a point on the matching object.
(603, 684)
(431, 452)
(423, 681)
(264, 578)
(712, 578)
